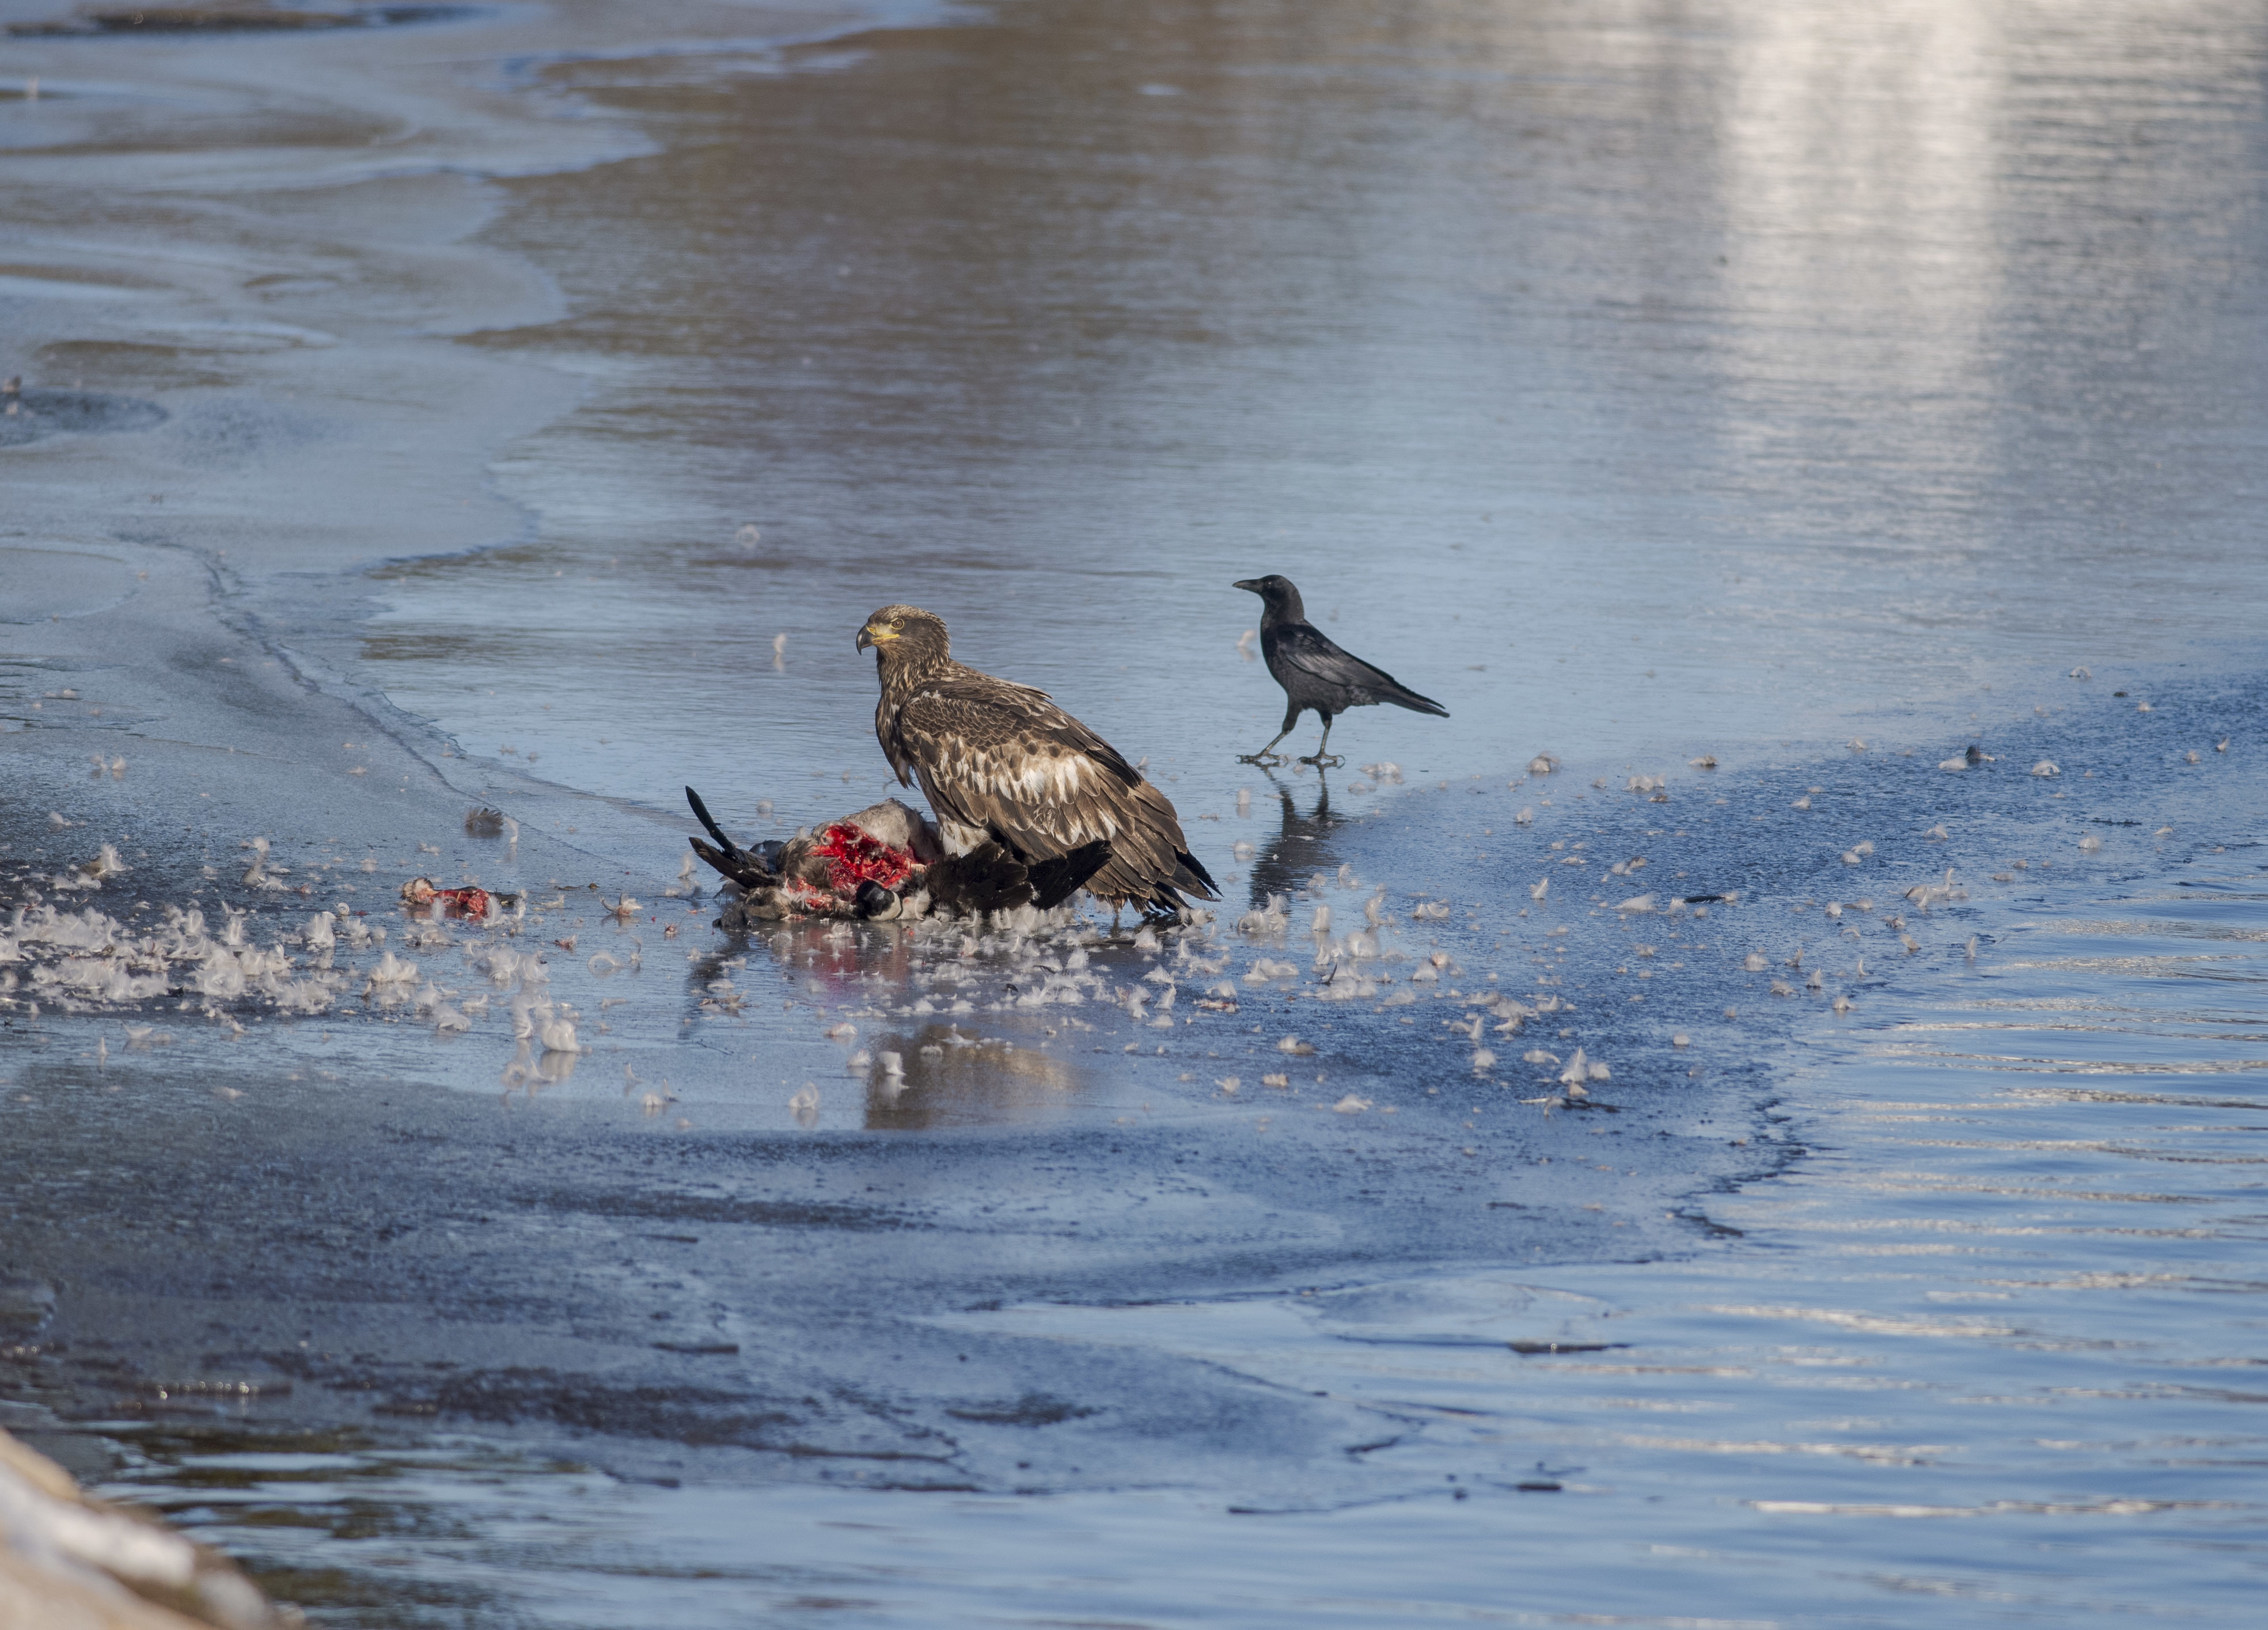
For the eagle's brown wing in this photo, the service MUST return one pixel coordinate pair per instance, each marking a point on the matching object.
(1002, 758)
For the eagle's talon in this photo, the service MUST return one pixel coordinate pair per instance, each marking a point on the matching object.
(1323, 761)
(1262, 758)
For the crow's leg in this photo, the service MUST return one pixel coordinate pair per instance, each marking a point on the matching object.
(1267, 755)
(1324, 757)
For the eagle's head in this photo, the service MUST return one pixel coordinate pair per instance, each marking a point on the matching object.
(902, 633)
(1276, 592)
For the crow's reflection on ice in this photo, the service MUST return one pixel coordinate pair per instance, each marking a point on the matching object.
(946, 1077)
(1302, 847)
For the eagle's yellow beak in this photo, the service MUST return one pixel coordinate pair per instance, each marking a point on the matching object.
(873, 635)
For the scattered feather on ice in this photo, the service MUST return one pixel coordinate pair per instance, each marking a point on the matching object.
(685, 883)
(1925, 894)
(2090, 843)
(1349, 1106)
(1295, 1046)
(1579, 1069)
(393, 970)
(2047, 767)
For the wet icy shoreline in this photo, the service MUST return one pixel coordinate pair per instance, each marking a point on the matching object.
(1395, 1361)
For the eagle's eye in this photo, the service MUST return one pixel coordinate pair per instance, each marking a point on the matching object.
(898, 623)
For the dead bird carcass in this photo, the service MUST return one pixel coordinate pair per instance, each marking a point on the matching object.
(884, 862)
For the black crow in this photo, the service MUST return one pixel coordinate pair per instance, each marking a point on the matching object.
(1315, 673)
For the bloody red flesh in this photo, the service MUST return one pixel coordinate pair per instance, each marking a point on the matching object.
(854, 856)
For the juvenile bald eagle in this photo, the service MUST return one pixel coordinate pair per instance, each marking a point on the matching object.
(1000, 762)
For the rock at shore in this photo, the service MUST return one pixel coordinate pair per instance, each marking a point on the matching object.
(68, 1562)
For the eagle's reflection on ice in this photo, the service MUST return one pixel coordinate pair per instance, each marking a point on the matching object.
(953, 1079)
(957, 1023)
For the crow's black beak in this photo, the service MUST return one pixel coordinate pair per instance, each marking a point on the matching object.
(1249, 584)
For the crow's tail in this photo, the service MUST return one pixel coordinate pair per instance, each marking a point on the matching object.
(1402, 696)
